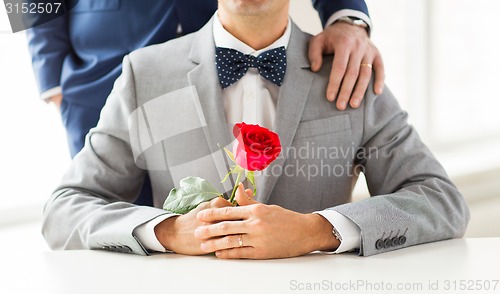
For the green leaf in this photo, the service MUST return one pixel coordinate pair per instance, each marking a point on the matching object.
(226, 177)
(191, 193)
(237, 169)
(251, 178)
(230, 154)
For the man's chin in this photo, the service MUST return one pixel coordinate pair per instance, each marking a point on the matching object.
(249, 7)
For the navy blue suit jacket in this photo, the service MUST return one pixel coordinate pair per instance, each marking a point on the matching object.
(82, 51)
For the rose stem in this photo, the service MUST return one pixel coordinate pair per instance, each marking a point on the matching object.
(231, 199)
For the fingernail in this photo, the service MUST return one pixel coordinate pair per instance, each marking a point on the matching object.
(355, 103)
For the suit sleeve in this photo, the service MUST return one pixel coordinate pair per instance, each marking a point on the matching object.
(92, 208)
(326, 8)
(48, 45)
(413, 200)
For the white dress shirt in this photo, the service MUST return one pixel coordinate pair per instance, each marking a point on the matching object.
(253, 100)
(352, 13)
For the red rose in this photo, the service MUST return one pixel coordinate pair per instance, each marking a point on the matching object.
(256, 147)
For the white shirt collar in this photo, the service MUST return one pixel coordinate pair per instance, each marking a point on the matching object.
(224, 39)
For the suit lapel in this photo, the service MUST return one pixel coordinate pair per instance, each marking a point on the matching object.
(292, 98)
(205, 79)
(291, 101)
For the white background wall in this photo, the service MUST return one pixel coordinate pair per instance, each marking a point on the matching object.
(441, 63)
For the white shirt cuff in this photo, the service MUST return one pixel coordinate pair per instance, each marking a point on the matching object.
(145, 233)
(349, 232)
(349, 12)
(51, 92)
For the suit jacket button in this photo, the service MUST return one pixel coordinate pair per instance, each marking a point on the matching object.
(402, 240)
(379, 244)
(395, 241)
(387, 243)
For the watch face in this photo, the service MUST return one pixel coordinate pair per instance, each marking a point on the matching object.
(360, 23)
(354, 21)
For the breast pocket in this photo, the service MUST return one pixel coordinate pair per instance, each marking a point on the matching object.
(324, 126)
(96, 5)
(319, 165)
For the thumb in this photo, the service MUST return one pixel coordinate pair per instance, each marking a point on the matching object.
(244, 197)
(315, 52)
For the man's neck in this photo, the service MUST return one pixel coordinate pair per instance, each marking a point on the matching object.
(256, 31)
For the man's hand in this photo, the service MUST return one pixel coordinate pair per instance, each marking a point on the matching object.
(177, 233)
(266, 231)
(355, 54)
(57, 100)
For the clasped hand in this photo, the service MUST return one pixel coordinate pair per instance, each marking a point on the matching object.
(252, 230)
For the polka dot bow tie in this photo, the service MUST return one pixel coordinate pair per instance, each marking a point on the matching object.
(232, 65)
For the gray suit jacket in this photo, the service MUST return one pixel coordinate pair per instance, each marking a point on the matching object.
(165, 117)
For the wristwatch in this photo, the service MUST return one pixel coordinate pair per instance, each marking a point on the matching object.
(354, 21)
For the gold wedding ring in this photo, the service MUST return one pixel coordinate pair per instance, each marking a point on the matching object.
(366, 64)
(240, 240)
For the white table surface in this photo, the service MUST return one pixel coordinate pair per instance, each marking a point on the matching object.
(448, 265)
